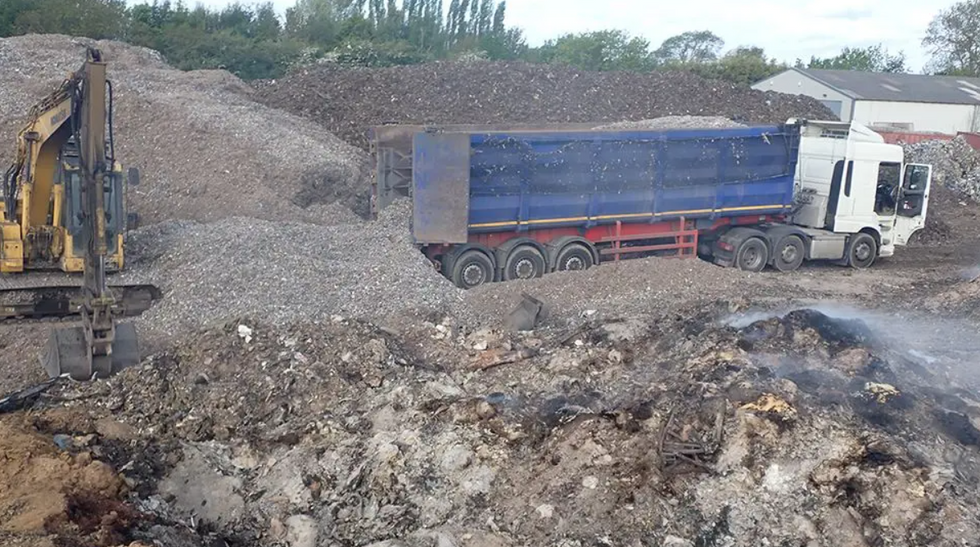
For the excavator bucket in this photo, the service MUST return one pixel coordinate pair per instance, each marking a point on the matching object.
(69, 352)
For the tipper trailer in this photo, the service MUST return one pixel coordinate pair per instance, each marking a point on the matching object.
(515, 203)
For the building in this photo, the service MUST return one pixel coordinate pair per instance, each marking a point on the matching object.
(902, 102)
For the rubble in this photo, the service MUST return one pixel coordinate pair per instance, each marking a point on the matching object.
(676, 122)
(206, 150)
(285, 271)
(954, 199)
(349, 100)
(344, 431)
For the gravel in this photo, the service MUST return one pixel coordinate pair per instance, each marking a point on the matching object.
(676, 122)
(953, 208)
(349, 100)
(280, 272)
(955, 164)
(205, 148)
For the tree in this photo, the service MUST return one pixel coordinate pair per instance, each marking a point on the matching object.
(744, 66)
(953, 39)
(602, 50)
(690, 47)
(870, 59)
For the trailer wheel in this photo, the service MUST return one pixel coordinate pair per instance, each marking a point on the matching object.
(788, 253)
(472, 269)
(862, 251)
(753, 255)
(524, 262)
(574, 256)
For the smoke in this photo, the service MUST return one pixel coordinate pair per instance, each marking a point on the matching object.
(945, 345)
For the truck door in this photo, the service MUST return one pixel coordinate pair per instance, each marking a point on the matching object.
(913, 200)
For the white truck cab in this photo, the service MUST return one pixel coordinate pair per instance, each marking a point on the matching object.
(855, 199)
(850, 181)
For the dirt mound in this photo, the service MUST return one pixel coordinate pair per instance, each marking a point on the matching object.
(45, 490)
(698, 428)
(206, 150)
(349, 100)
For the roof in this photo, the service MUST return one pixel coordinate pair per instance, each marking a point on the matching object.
(915, 88)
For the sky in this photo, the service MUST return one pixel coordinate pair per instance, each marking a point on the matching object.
(787, 29)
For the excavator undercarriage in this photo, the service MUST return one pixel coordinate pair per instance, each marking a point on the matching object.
(64, 209)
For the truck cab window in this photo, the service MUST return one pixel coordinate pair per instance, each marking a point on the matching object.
(889, 181)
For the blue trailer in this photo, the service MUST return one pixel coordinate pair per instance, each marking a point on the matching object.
(499, 204)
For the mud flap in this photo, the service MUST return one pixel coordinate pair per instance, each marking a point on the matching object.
(69, 352)
(527, 314)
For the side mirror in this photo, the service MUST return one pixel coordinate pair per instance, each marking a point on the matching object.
(133, 177)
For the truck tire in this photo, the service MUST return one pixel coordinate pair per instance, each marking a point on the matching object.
(574, 256)
(862, 251)
(472, 269)
(788, 253)
(752, 255)
(524, 262)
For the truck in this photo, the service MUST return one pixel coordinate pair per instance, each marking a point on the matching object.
(499, 203)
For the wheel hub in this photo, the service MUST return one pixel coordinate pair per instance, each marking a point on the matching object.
(524, 268)
(863, 251)
(473, 274)
(575, 263)
(789, 253)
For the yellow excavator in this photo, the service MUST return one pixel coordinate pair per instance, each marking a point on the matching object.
(64, 208)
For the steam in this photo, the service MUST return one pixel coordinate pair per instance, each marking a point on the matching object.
(944, 345)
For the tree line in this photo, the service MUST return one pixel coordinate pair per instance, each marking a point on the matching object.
(251, 41)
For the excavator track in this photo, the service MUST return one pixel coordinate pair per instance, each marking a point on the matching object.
(56, 299)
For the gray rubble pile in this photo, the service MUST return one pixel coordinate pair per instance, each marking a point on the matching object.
(206, 150)
(285, 271)
(955, 164)
(675, 122)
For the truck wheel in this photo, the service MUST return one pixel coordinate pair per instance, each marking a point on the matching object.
(524, 262)
(472, 269)
(752, 255)
(574, 256)
(862, 251)
(788, 253)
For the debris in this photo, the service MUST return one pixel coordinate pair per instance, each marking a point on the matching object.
(527, 314)
(206, 150)
(349, 100)
(881, 392)
(772, 405)
(245, 333)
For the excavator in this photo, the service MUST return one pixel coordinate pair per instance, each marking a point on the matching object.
(64, 209)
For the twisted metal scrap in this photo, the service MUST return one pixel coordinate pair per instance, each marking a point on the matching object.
(675, 451)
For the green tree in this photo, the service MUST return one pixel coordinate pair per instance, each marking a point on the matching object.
(953, 39)
(97, 19)
(744, 66)
(690, 47)
(602, 50)
(870, 59)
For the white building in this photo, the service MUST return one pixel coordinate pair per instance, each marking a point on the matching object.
(906, 102)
